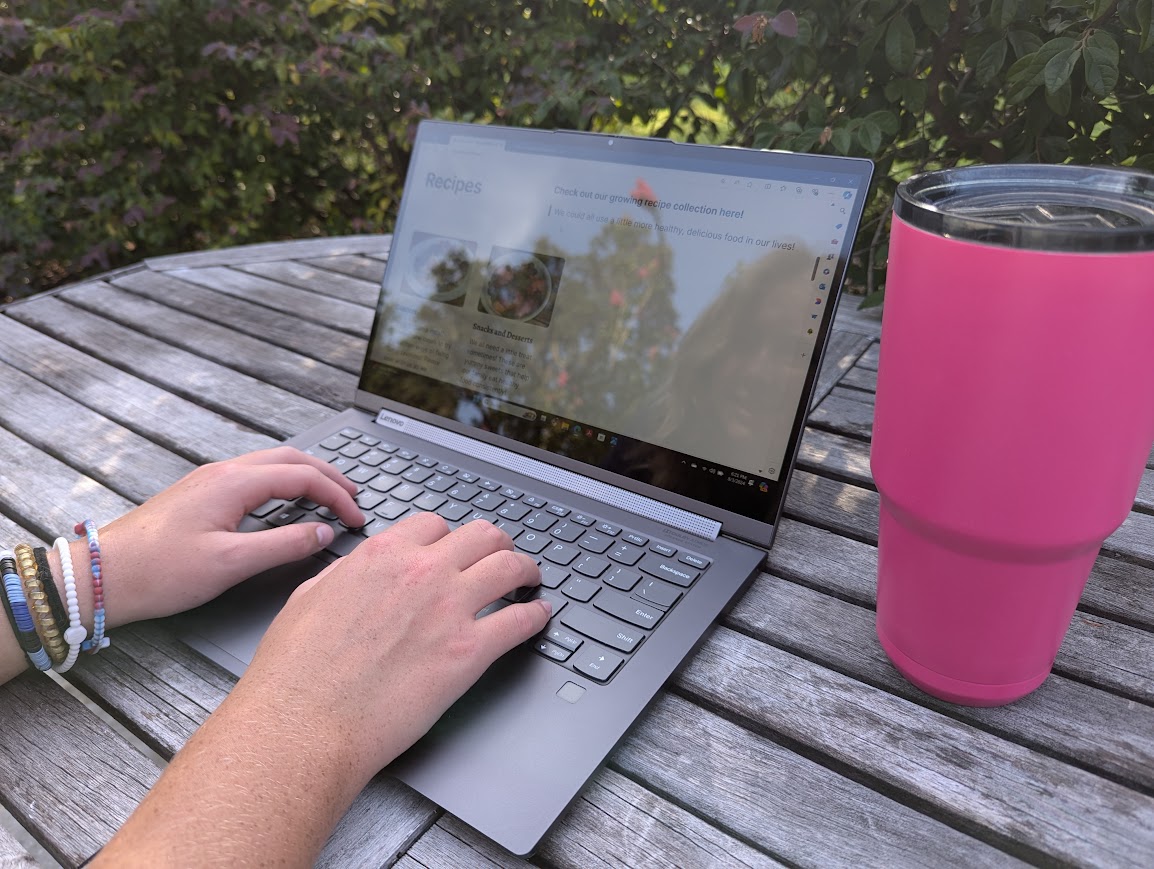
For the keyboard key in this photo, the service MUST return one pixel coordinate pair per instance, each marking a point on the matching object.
(488, 501)
(406, 492)
(369, 440)
(622, 578)
(558, 510)
(602, 629)
(326, 513)
(373, 458)
(447, 470)
(454, 511)
(627, 553)
(376, 527)
(417, 475)
(464, 492)
(392, 510)
(267, 507)
(489, 485)
(361, 475)
(558, 636)
(407, 455)
(591, 565)
(551, 575)
(555, 600)
(662, 549)
(658, 593)
(539, 521)
(426, 462)
(354, 451)
(582, 519)
(467, 477)
(567, 531)
(679, 574)
(384, 483)
(694, 560)
(534, 502)
(396, 467)
(580, 589)
(595, 542)
(510, 528)
(430, 501)
(351, 433)
(596, 664)
(635, 539)
(322, 454)
(608, 528)
(555, 653)
(562, 553)
(344, 465)
(345, 543)
(386, 447)
(287, 515)
(533, 542)
(511, 493)
(513, 512)
(633, 611)
(306, 504)
(368, 500)
(334, 442)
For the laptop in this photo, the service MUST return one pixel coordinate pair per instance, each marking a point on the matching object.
(606, 345)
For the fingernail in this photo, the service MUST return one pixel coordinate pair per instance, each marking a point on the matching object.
(324, 535)
(548, 606)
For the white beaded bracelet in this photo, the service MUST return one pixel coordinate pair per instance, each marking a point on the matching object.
(76, 633)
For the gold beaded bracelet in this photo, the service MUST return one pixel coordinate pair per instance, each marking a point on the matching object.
(38, 605)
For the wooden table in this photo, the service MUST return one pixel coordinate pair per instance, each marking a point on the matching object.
(789, 737)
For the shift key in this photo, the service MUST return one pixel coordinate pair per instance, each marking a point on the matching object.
(603, 630)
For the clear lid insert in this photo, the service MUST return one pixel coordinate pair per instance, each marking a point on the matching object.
(1083, 209)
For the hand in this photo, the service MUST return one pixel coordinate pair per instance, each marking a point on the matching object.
(181, 547)
(376, 647)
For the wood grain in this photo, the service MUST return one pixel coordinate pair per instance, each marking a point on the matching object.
(861, 378)
(363, 267)
(844, 415)
(173, 422)
(275, 250)
(1027, 801)
(449, 844)
(265, 408)
(834, 455)
(799, 811)
(335, 284)
(338, 349)
(869, 359)
(286, 369)
(841, 353)
(304, 304)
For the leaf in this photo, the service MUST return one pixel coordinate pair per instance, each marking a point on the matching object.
(842, 140)
(935, 13)
(1059, 100)
(1003, 13)
(870, 136)
(1059, 68)
(1024, 42)
(885, 120)
(1101, 7)
(784, 23)
(1023, 78)
(1145, 12)
(990, 63)
(900, 44)
(868, 45)
(1101, 57)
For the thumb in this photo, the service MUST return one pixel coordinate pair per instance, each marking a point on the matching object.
(257, 551)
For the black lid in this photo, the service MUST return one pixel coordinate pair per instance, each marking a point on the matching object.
(1083, 209)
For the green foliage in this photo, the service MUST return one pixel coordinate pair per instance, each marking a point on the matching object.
(132, 128)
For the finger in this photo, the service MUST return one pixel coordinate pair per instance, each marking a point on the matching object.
(252, 553)
(291, 481)
(285, 454)
(507, 628)
(473, 541)
(496, 575)
(423, 529)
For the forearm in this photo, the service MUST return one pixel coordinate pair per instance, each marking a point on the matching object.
(258, 783)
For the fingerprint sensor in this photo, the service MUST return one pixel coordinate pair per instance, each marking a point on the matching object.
(571, 692)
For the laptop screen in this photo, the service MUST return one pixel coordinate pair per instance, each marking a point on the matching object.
(643, 307)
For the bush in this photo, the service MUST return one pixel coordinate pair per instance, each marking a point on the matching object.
(132, 128)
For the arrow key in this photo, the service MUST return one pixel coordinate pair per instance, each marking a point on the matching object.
(596, 663)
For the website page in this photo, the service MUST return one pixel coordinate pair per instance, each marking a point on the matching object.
(674, 307)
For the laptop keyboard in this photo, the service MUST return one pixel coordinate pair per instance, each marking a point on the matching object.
(610, 587)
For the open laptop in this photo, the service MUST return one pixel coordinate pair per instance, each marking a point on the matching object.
(606, 345)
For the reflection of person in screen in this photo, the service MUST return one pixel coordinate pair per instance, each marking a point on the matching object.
(712, 401)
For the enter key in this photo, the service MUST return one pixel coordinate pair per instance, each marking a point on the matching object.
(633, 611)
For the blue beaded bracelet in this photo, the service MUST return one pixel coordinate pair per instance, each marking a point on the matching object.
(98, 641)
(16, 606)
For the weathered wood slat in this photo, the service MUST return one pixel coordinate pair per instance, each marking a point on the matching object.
(176, 423)
(449, 844)
(869, 359)
(363, 267)
(844, 415)
(275, 250)
(266, 408)
(834, 455)
(12, 532)
(1080, 724)
(842, 352)
(1145, 496)
(338, 349)
(766, 793)
(858, 395)
(299, 374)
(71, 784)
(303, 304)
(120, 459)
(335, 284)
(851, 316)
(1019, 797)
(46, 496)
(162, 691)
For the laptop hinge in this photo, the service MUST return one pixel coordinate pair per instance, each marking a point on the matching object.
(570, 481)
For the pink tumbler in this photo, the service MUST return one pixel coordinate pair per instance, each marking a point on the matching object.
(1015, 412)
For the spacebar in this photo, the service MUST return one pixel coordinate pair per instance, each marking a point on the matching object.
(344, 544)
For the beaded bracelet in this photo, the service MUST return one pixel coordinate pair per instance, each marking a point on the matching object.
(76, 633)
(98, 641)
(16, 607)
(44, 571)
(38, 608)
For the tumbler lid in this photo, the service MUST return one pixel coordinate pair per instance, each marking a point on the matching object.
(1082, 209)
